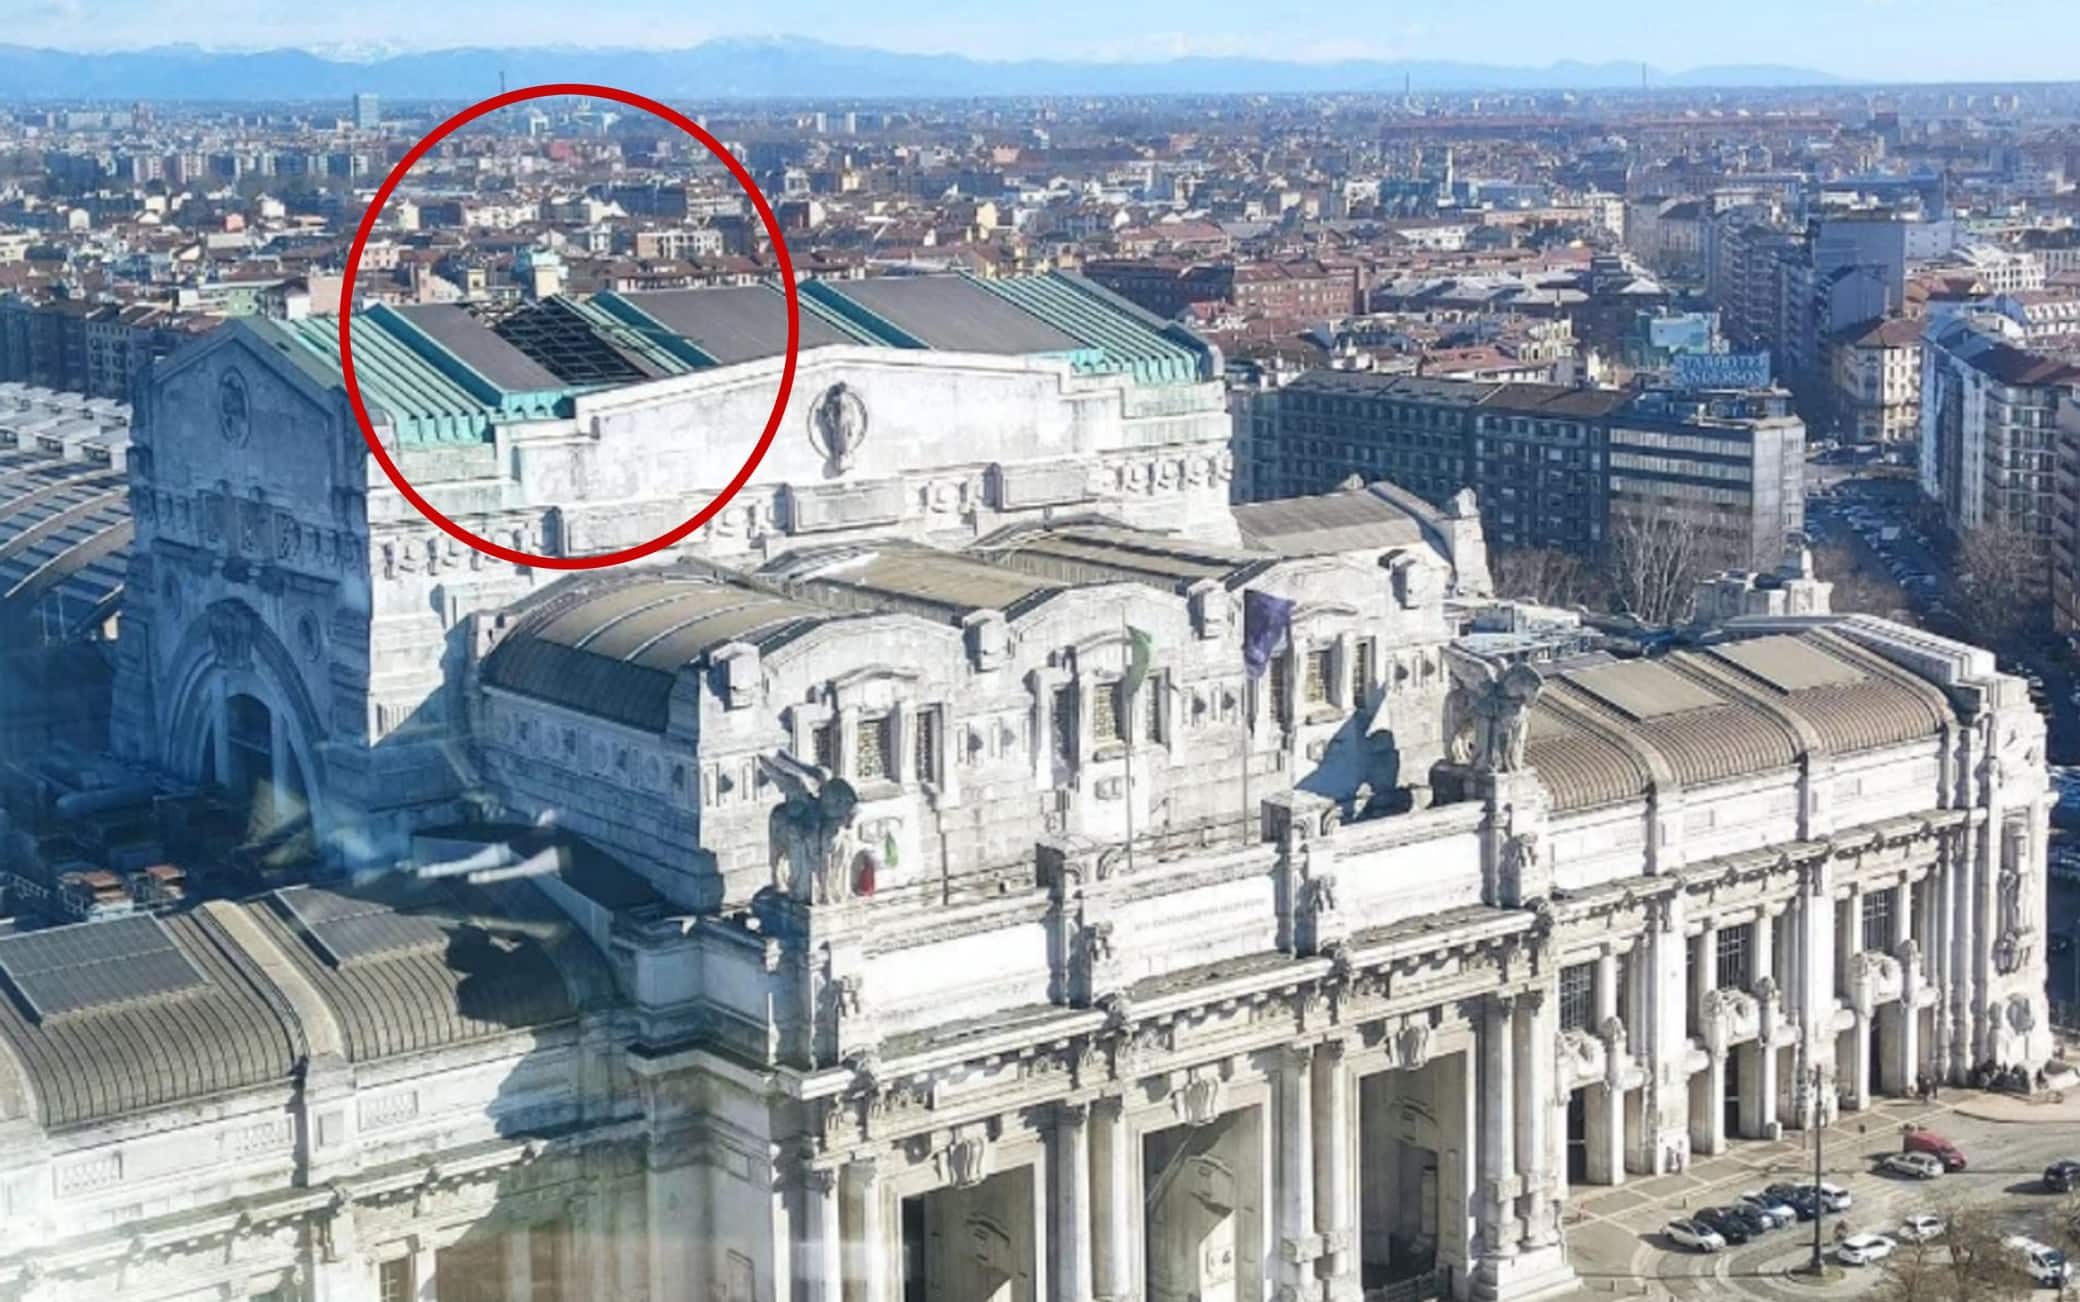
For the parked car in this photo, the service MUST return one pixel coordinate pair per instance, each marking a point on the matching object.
(1778, 1212)
(1922, 1227)
(1798, 1198)
(1914, 1166)
(1864, 1249)
(1832, 1196)
(1691, 1234)
(2046, 1264)
(1933, 1144)
(2062, 1176)
(1726, 1224)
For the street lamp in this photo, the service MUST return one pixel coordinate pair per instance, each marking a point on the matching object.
(1819, 1206)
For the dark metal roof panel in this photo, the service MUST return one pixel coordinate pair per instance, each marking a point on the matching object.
(738, 323)
(479, 347)
(952, 312)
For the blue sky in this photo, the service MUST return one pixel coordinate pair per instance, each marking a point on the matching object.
(1925, 40)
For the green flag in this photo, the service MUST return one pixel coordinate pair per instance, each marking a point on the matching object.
(1139, 644)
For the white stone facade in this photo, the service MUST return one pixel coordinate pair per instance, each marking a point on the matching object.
(1401, 939)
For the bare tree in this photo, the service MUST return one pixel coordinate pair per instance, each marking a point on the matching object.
(2002, 575)
(1546, 575)
(1915, 1272)
(1982, 1268)
(1655, 562)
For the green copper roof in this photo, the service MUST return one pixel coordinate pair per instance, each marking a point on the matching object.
(441, 374)
(428, 393)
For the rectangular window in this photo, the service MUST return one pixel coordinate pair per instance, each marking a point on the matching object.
(1877, 922)
(394, 1280)
(1733, 959)
(1578, 997)
(1316, 689)
(925, 732)
(1281, 706)
(1065, 725)
(876, 741)
(1361, 672)
(1105, 714)
(823, 745)
(1152, 708)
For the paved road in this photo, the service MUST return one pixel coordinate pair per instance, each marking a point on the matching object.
(1614, 1233)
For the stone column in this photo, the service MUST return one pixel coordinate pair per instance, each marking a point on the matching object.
(1860, 1076)
(1072, 1187)
(1112, 1158)
(1606, 1132)
(1964, 1034)
(1335, 1209)
(1298, 1247)
(1708, 1132)
(1707, 968)
(425, 1264)
(867, 1279)
(1500, 1229)
(819, 1250)
(1767, 1020)
(1534, 1034)
(1762, 950)
(1950, 1063)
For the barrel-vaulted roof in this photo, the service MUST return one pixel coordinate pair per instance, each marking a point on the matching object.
(103, 1019)
(1609, 731)
(613, 648)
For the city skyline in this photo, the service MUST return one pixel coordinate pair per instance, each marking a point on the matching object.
(1857, 40)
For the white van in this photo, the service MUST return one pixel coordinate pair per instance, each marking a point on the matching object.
(2046, 1264)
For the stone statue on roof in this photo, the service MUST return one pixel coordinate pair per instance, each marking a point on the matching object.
(811, 832)
(1488, 714)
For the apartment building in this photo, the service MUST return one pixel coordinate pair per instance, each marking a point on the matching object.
(1553, 466)
(1990, 412)
(1876, 371)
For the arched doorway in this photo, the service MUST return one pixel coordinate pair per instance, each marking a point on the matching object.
(262, 774)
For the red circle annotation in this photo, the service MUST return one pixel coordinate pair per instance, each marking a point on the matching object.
(346, 346)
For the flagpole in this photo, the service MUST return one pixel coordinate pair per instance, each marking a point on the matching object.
(1133, 691)
(1249, 746)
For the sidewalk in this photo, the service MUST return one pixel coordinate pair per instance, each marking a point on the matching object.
(1987, 1106)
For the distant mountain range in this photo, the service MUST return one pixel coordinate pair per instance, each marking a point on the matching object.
(788, 68)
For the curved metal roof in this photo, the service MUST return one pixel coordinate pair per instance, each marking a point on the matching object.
(1599, 734)
(397, 971)
(407, 970)
(230, 1032)
(614, 648)
(65, 526)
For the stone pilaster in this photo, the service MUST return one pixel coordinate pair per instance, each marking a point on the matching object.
(1072, 1212)
(1112, 1178)
(1298, 1245)
(819, 1248)
(1335, 1193)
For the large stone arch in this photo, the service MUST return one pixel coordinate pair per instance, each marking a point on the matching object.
(226, 651)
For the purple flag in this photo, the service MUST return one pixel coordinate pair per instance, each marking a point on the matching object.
(1265, 620)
